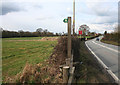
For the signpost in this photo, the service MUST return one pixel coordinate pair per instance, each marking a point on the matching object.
(65, 20)
(69, 65)
(68, 21)
(69, 37)
(80, 32)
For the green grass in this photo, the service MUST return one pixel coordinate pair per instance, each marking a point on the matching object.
(15, 54)
(110, 42)
(89, 71)
(85, 37)
(23, 38)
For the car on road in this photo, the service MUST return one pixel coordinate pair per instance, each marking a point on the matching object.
(97, 39)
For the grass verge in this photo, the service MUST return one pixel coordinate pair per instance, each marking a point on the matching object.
(88, 69)
(85, 36)
(110, 42)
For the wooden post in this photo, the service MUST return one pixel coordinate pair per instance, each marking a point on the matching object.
(65, 74)
(71, 77)
(68, 62)
(69, 37)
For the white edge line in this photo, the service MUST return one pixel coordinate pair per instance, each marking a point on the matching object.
(106, 47)
(104, 66)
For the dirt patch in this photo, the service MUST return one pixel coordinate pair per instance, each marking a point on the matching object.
(49, 39)
(43, 39)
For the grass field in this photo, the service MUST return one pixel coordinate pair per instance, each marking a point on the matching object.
(85, 36)
(23, 38)
(15, 54)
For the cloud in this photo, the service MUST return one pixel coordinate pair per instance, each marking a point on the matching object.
(104, 19)
(8, 7)
(104, 12)
(102, 27)
(16, 6)
(44, 18)
(103, 8)
(98, 12)
(46, 14)
(69, 10)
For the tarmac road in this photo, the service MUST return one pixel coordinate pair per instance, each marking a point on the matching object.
(107, 53)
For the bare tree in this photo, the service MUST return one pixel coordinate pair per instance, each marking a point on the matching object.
(39, 30)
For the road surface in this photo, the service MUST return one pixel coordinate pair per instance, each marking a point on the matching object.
(107, 53)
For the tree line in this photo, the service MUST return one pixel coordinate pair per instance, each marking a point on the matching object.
(114, 36)
(38, 33)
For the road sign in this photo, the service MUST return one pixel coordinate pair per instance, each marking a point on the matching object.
(65, 20)
(80, 32)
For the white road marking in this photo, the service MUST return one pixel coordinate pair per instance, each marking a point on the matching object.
(104, 66)
(107, 47)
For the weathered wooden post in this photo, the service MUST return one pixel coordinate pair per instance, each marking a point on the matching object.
(69, 37)
(68, 61)
(65, 74)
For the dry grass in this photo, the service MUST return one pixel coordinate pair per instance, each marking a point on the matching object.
(88, 70)
(41, 39)
(46, 72)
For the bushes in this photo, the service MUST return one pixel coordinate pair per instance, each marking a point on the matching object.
(9, 34)
(114, 37)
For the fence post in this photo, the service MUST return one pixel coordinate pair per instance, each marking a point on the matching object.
(65, 74)
(68, 62)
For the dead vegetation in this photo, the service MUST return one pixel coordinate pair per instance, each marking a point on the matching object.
(42, 39)
(48, 71)
(49, 38)
(87, 68)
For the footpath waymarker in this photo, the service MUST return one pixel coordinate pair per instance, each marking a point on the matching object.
(65, 20)
(68, 21)
(69, 37)
(69, 47)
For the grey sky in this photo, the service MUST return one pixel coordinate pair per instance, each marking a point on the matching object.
(29, 15)
(8, 7)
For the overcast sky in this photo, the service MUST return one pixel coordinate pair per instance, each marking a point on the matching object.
(28, 15)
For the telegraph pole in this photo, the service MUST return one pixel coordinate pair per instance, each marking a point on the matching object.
(73, 17)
